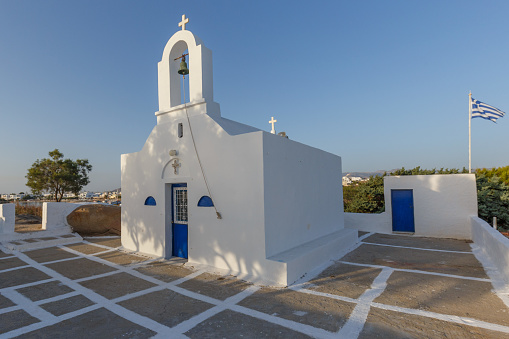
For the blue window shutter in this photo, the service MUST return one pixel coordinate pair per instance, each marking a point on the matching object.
(205, 201)
(150, 201)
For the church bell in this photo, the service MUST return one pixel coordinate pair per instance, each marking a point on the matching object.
(183, 67)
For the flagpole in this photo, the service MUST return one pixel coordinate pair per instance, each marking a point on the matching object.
(470, 132)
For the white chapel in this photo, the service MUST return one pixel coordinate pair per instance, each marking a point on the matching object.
(223, 194)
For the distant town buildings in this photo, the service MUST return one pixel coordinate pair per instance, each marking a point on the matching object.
(12, 196)
(350, 180)
(107, 195)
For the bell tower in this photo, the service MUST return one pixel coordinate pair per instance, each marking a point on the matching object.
(199, 80)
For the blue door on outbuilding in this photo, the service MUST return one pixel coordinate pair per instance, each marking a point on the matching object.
(179, 220)
(402, 211)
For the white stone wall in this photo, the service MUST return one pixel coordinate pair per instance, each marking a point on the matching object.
(493, 244)
(54, 215)
(369, 222)
(443, 203)
(7, 218)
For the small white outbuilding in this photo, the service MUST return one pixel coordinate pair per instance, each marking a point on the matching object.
(223, 194)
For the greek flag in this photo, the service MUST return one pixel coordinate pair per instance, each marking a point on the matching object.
(485, 111)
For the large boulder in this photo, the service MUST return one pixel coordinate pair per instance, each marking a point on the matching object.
(95, 220)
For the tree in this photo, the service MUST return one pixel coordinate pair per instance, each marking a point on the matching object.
(501, 172)
(58, 175)
(493, 200)
(369, 197)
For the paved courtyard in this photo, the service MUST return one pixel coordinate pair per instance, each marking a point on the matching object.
(389, 286)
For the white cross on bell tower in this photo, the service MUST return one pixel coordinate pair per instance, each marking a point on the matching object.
(183, 22)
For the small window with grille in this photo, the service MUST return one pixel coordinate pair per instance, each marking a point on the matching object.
(180, 205)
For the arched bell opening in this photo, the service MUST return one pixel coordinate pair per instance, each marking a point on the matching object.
(179, 88)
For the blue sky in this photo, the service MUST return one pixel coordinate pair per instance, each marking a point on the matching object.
(383, 84)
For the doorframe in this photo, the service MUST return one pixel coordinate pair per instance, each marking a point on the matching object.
(413, 211)
(169, 215)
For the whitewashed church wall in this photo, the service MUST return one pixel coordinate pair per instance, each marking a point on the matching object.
(142, 226)
(369, 222)
(233, 167)
(443, 203)
(493, 244)
(303, 193)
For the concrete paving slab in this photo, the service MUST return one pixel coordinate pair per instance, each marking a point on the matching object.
(463, 264)
(44, 291)
(110, 242)
(48, 238)
(49, 254)
(420, 242)
(229, 324)
(117, 285)
(80, 268)
(67, 305)
(21, 277)
(164, 271)
(100, 323)
(16, 319)
(461, 297)
(121, 258)
(11, 263)
(313, 310)
(395, 325)
(166, 307)
(215, 286)
(85, 248)
(5, 302)
(31, 240)
(344, 280)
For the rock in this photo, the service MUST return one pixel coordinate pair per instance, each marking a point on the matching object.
(95, 220)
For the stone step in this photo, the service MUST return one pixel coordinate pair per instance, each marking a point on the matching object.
(316, 253)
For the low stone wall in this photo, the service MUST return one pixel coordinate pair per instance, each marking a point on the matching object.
(369, 222)
(7, 218)
(54, 214)
(86, 218)
(493, 244)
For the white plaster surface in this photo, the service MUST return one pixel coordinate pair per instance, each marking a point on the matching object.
(493, 244)
(7, 218)
(369, 222)
(274, 194)
(54, 215)
(443, 203)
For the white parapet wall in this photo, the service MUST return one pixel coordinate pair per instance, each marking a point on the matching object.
(7, 218)
(493, 244)
(54, 214)
(442, 206)
(369, 222)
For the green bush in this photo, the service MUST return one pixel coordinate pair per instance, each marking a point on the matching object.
(493, 200)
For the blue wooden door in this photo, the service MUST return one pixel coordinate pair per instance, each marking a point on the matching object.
(179, 220)
(402, 211)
